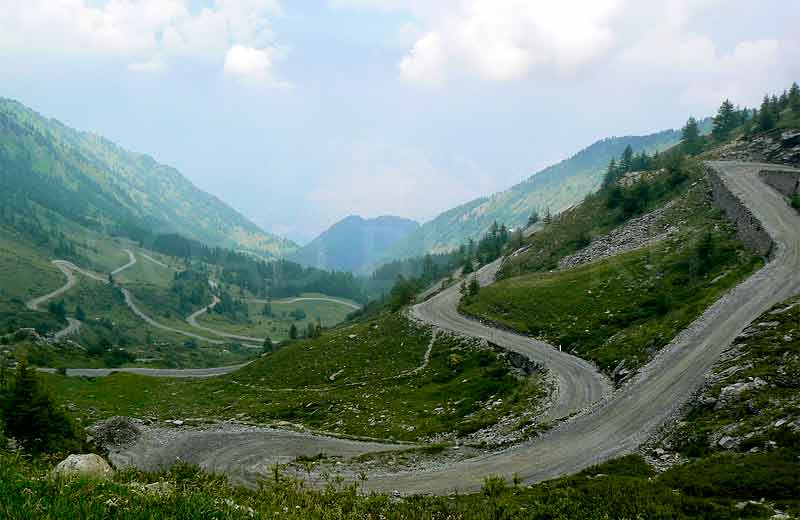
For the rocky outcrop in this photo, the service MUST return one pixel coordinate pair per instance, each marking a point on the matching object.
(516, 360)
(83, 466)
(117, 432)
(748, 228)
(639, 232)
(778, 146)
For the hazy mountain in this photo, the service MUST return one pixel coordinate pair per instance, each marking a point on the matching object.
(556, 187)
(94, 182)
(354, 243)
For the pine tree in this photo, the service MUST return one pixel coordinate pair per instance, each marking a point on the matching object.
(690, 137)
(533, 218)
(293, 331)
(766, 117)
(626, 161)
(31, 417)
(794, 98)
(724, 122)
(80, 315)
(612, 173)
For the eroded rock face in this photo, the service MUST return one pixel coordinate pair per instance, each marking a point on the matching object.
(734, 392)
(781, 147)
(83, 466)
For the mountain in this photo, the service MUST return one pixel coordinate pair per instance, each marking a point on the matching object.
(354, 243)
(556, 188)
(94, 182)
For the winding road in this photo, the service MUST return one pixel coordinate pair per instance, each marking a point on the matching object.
(597, 424)
(618, 424)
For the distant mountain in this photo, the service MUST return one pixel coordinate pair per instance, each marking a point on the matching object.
(354, 244)
(94, 182)
(557, 187)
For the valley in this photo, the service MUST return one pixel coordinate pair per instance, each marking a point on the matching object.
(637, 346)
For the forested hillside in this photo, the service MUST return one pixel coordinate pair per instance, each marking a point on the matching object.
(555, 188)
(93, 182)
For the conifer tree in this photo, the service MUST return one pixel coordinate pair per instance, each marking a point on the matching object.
(794, 98)
(533, 218)
(766, 117)
(612, 173)
(626, 161)
(690, 137)
(724, 122)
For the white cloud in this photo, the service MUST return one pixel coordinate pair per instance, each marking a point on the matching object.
(145, 35)
(252, 66)
(153, 65)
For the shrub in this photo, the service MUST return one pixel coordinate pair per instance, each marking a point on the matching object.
(30, 416)
(796, 202)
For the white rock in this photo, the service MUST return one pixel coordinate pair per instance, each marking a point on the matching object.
(89, 465)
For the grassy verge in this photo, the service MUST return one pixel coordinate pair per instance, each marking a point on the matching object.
(625, 488)
(765, 414)
(630, 305)
(344, 382)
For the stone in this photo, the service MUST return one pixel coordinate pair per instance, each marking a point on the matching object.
(116, 432)
(83, 466)
(733, 392)
(727, 442)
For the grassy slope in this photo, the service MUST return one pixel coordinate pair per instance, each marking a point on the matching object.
(625, 488)
(361, 401)
(329, 313)
(625, 307)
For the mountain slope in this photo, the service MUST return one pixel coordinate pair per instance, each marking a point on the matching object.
(94, 182)
(354, 243)
(557, 187)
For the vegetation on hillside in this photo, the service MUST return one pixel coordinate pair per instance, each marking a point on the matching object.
(366, 379)
(98, 185)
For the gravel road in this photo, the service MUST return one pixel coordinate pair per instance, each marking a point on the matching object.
(620, 423)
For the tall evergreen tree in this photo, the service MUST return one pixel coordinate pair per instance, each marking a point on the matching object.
(612, 173)
(766, 116)
(626, 161)
(690, 137)
(724, 121)
(533, 218)
(794, 98)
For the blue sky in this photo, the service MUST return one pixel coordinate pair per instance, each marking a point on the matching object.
(300, 113)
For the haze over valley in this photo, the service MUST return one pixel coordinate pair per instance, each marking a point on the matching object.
(394, 259)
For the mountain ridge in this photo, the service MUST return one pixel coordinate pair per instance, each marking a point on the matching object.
(354, 243)
(556, 187)
(51, 163)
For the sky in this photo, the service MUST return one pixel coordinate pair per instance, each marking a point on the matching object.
(299, 113)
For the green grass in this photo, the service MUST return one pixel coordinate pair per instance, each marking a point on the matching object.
(625, 488)
(329, 313)
(629, 306)
(364, 399)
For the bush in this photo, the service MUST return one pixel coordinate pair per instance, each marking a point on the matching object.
(30, 416)
(796, 202)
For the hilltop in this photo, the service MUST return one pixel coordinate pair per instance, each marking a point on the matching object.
(354, 244)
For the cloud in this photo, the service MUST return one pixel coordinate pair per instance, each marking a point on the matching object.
(252, 66)
(144, 35)
(510, 40)
(153, 65)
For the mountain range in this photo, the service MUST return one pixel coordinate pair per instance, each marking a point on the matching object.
(355, 244)
(555, 188)
(92, 181)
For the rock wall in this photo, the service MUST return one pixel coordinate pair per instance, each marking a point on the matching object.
(779, 147)
(749, 229)
(785, 182)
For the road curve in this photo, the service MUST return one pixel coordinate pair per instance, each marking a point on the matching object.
(579, 382)
(620, 423)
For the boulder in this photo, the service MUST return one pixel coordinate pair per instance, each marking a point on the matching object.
(83, 466)
(117, 432)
